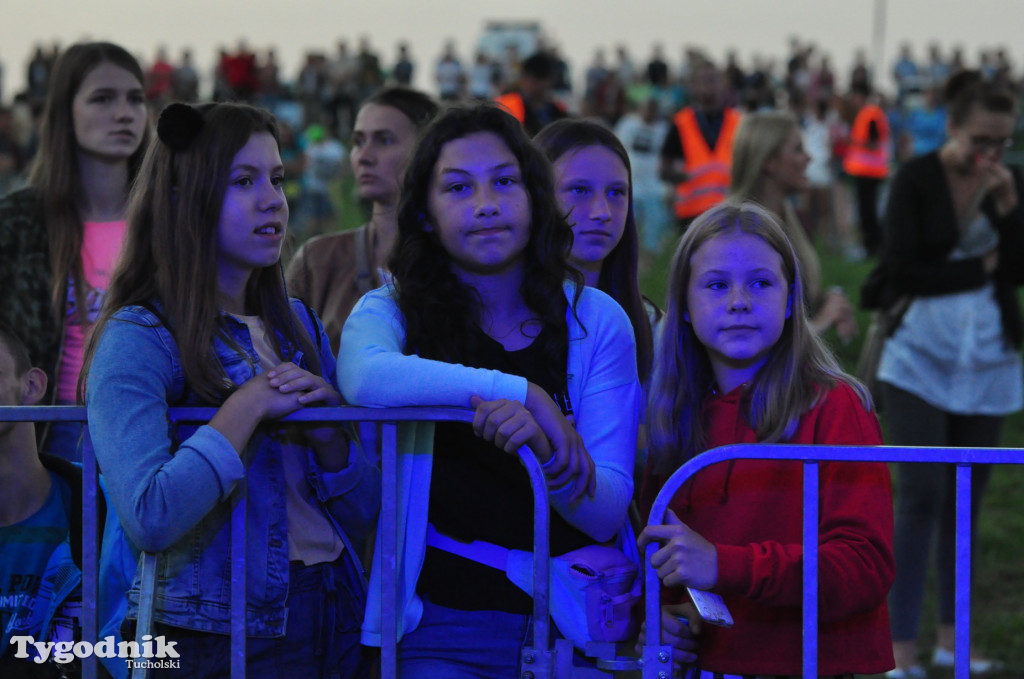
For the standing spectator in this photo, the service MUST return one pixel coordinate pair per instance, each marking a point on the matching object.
(867, 161)
(769, 167)
(625, 69)
(63, 233)
(860, 74)
(403, 70)
(735, 80)
(38, 76)
(951, 372)
(697, 154)
(481, 77)
(926, 123)
(333, 271)
(221, 88)
(448, 74)
(338, 93)
(185, 79)
(310, 85)
(12, 158)
(159, 79)
(597, 72)
(904, 73)
(268, 75)
(531, 101)
(823, 80)
(241, 73)
(369, 77)
(324, 161)
(938, 69)
(562, 84)
(200, 307)
(643, 133)
(657, 68)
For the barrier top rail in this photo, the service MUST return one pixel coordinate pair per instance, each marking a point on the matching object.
(811, 455)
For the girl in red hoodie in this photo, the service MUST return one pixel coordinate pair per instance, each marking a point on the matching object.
(737, 362)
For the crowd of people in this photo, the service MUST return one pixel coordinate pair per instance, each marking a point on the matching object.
(141, 269)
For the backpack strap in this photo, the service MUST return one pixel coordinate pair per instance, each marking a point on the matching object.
(364, 277)
(486, 553)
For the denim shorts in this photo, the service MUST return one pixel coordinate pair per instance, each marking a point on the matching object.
(325, 611)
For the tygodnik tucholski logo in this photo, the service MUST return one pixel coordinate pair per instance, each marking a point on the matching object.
(163, 656)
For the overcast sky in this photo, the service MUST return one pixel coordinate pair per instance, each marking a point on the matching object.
(293, 26)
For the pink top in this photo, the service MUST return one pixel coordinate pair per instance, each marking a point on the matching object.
(101, 245)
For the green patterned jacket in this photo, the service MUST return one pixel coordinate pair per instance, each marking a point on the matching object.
(25, 305)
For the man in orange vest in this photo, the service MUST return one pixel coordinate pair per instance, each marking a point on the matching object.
(867, 161)
(531, 102)
(697, 153)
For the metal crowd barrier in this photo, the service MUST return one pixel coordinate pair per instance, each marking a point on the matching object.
(539, 661)
(811, 456)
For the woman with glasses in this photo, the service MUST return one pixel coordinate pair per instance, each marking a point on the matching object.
(951, 372)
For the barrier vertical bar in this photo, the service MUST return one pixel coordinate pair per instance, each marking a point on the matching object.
(963, 571)
(388, 436)
(238, 598)
(541, 663)
(90, 557)
(147, 599)
(811, 520)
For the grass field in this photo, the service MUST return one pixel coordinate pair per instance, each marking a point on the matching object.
(998, 595)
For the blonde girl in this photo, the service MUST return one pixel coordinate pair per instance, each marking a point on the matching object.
(738, 363)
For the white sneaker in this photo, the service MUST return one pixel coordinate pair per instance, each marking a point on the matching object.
(912, 672)
(943, 657)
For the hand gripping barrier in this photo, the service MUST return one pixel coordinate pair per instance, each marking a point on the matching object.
(811, 455)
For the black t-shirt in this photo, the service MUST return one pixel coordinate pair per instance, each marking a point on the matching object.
(479, 492)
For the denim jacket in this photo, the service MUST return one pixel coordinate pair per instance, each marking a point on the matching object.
(178, 499)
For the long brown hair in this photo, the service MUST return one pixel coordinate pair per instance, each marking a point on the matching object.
(170, 252)
(55, 173)
(619, 277)
(439, 310)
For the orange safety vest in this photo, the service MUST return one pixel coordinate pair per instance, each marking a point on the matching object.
(864, 159)
(709, 171)
(513, 103)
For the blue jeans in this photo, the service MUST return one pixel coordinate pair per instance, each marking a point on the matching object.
(321, 638)
(454, 644)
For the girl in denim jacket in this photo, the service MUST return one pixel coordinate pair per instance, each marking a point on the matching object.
(197, 314)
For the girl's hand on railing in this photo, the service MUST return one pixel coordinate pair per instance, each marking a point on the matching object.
(328, 440)
(685, 558)
(289, 378)
(572, 463)
(509, 426)
(680, 627)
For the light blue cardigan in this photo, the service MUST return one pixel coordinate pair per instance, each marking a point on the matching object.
(603, 388)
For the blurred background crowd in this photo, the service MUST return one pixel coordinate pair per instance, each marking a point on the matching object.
(636, 94)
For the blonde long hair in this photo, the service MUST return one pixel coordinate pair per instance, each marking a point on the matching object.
(758, 139)
(798, 371)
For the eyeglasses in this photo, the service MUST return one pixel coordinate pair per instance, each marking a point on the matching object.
(995, 143)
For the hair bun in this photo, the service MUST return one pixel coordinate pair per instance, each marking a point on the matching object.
(179, 125)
